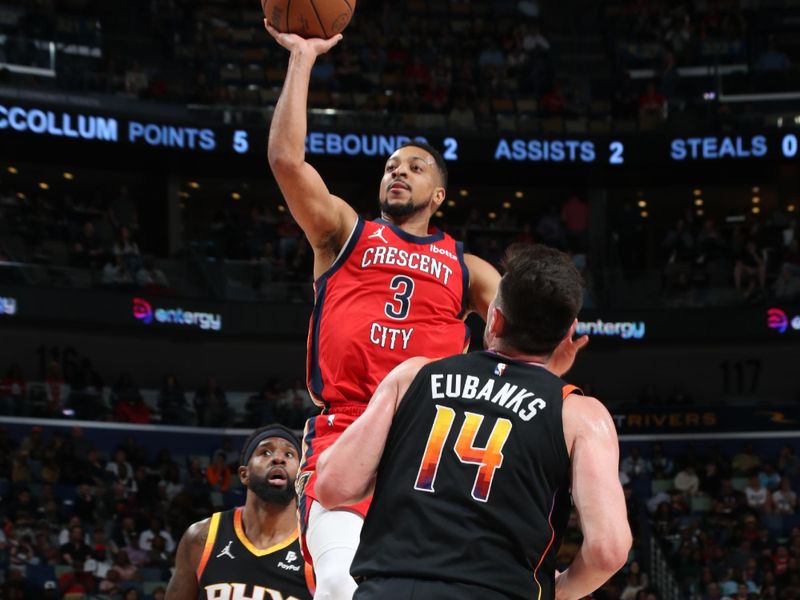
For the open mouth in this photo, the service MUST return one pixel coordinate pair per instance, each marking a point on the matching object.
(398, 186)
(277, 476)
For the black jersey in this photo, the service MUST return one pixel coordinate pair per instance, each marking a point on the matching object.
(473, 486)
(231, 567)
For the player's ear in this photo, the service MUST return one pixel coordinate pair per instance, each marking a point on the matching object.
(244, 476)
(439, 194)
(497, 321)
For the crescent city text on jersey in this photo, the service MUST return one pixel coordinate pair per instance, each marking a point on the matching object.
(389, 255)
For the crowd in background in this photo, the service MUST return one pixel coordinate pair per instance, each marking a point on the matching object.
(463, 64)
(80, 516)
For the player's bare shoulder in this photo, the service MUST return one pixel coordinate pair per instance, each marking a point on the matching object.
(586, 416)
(193, 542)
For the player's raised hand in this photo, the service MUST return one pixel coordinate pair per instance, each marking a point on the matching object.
(565, 353)
(294, 43)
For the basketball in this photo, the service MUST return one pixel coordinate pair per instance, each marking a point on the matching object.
(309, 18)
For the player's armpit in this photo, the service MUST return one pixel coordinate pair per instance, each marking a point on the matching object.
(183, 584)
(483, 283)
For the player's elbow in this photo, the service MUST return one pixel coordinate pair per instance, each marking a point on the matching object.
(610, 553)
(328, 487)
(283, 161)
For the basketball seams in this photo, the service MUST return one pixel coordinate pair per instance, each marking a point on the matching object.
(321, 24)
(350, 8)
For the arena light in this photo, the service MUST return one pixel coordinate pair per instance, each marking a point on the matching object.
(43, 185)
(492, 215)
(642, 203)
(194, 185)
(756, 200)
(644, 214)
(755, 210)
(22, 196)
(13, 170)
(791, 208)
(756, 189)
(68, 176)
(183, 194)
(698, 202)
(506, 205)
(519, 194)
(463, 193)
(281, 208)
(451, 203)
(698, 192)
(236, 196)
(700, 212)
(439, 214)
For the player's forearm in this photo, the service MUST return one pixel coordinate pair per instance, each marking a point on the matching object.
(592, 567)
(287, 134)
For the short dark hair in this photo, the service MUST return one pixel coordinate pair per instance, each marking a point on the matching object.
(275, 426)
(540, 295)
(437, 157)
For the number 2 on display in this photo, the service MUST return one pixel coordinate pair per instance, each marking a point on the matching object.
(488, 458)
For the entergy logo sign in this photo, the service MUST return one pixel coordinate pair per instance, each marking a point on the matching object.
(144, 312)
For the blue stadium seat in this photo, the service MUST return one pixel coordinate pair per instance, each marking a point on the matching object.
(38, 574)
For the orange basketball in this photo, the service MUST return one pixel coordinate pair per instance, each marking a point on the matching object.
(309, 18)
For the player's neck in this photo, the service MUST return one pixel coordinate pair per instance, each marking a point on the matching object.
(510, 353)
(268, 524)
(416, 224)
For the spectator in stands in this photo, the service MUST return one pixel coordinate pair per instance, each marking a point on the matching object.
(13, 392)
(758, 497)
(125, 568)
(634, 465)
(77, 581)
(156, 528)
(116, 274)
(125, 533)
(132, 409)
(659, 464)
(171, 484)
(687, 481)
(769, 477)
(128, 249)
(136, 80)
(110, 585)
(785, 498)
(87, 251)
(788, 462)
(75, 551)
(211, 405)
(34, 443)
(159, 558)
(172, 402)
(652, 106)
(745, 461)
(151, 277)
(218, 473)
(98, 563)
(21, 467)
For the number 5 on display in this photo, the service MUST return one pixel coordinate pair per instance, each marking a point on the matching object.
(488, 458)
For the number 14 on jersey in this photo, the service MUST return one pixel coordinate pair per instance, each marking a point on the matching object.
(488, 458)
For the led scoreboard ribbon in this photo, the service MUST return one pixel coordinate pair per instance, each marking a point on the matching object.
(770, 145)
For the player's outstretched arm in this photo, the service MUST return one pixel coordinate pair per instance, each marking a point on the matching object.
(346, 471)
(326, 219)
(183, 585)
(598, 497)
(483, 282)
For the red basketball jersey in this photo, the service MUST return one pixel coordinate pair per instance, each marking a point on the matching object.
(388, 297)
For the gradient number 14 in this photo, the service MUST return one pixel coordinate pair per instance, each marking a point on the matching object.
(488, 458)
